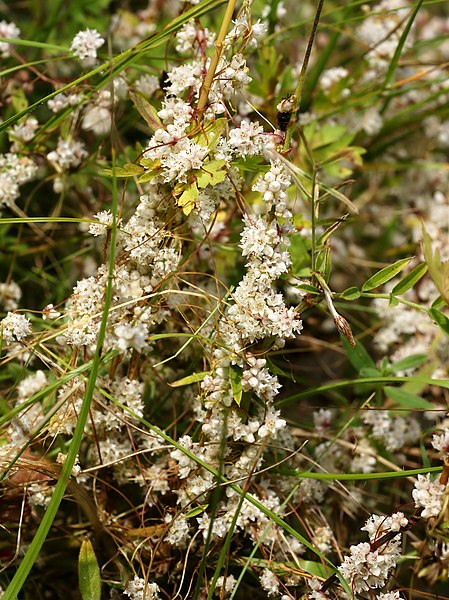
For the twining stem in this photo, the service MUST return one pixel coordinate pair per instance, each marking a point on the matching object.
(218, 49)
(302, 74)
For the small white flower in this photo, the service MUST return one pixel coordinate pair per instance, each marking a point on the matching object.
(441, 443)
(49, 312)
(86, 43)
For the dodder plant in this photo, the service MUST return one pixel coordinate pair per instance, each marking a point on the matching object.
(143, 430)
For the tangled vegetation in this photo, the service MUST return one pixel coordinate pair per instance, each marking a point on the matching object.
(224, 287)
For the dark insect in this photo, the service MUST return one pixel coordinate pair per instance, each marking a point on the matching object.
(285, 110)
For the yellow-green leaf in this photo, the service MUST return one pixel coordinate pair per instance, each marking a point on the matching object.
(438, 270)
(211, 173)
(129, 170)
(235, 379)
(146, 110)
(89, 573)
(193, 378)
(188, 198)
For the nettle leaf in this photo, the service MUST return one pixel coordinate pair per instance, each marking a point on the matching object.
(193, 378)
(409, 280)
(438, 270)
(188, 198)
(146, 110)
(211, 173)
(89, 573)
(235, 379)
(385, 274)
(129, 170)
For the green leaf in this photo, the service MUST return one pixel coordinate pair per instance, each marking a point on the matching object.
(410, 279)
(407, 400)
(310, 289)
(438, 270)
(235, 379)
(211, 173)
(440, 319)
(385, 274)
(351, 293)
(358, 356)
(188, 198)
(146, 110)
(369, 372)
(198, 510)
(128, 170)
(193, 378)
(410, 362)
(438, 303)
(89, 573)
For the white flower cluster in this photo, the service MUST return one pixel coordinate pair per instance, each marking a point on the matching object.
(139, 589)
(14, 327)
(191, 37)
(23, 132)
(8, 30)
(10, 294)
(428, 495)
(382, 30)
(273, 186)
(68, 154)
(15, 170)
(104, 222)
(174, 151)
(368, 566)
(86, 43)
(394, 432)
(329, 77)
(441, 443)
(61, 101)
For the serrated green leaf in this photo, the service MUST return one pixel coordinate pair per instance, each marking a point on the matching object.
(89, 572)
(410, 279)
(188, 198)
(409, 362)
(193, 378)
(146, 110)
(211, 173)
(235, 379)
(438, 270)
(129, 170)
(351, 293)
(440, 319)
(385, 274)
(407, 400)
